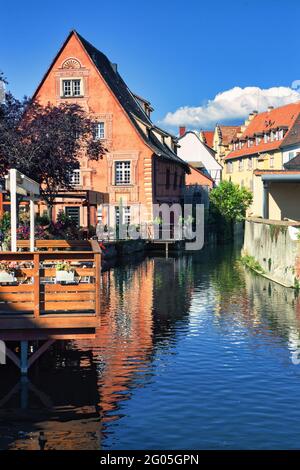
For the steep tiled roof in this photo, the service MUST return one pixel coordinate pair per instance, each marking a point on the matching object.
(128, 101)
(228, 133)
(284, 117)
(209, 138)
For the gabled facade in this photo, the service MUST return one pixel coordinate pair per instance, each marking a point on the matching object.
(222, 138)
(141, 166)
(199, 155)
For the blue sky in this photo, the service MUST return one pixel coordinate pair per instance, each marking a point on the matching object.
(176, 54)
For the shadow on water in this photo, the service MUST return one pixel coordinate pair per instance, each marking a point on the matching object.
(78, 390)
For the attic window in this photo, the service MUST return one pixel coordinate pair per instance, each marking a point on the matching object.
(71, 88)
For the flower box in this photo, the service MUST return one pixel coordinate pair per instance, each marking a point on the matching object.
(7, 277)
(65, 276)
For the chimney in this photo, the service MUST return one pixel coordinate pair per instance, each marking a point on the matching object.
(270, 108)
(182, 130)
(250, 117)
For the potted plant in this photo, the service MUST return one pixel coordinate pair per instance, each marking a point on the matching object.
(7, 272)
(64, 272)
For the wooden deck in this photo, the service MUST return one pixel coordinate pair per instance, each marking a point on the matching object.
(35, 301)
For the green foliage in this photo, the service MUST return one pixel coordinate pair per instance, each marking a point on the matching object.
(5, 223)
(46, 141)
(42, 220)
(63, 266)
(251, 263)
(230, 201)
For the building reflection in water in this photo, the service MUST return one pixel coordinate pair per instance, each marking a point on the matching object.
(79, 387)
(254, 302)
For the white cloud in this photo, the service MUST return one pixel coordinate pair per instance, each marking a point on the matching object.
(230, 105)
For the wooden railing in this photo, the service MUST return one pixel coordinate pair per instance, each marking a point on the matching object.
(37, 295)
(56, 245)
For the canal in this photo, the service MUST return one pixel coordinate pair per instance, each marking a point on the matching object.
(194, 352)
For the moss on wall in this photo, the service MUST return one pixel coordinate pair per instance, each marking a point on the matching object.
(275, 230)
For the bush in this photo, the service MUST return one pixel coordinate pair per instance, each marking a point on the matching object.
(230, 201)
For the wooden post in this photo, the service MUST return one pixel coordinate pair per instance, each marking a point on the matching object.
(97, 283)
(97, 258)
(13, 208)
(32, 222)
(36, 284)
(24, 357)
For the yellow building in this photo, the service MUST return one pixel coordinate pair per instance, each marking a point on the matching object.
(223, 136)
(266, 142)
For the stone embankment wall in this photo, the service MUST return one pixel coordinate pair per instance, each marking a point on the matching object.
(274, 245)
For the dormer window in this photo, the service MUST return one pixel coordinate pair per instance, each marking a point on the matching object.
(257, 140)
(72, 88)
(280, 134)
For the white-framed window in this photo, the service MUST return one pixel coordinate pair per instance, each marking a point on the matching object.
(250, 163)
(75, 178)
(99, 214)
(266, 138)
(272, 161)
(100, 130)
(280, 134)
(72, 87)
(241, 164)
(122, 172)
(126, 215)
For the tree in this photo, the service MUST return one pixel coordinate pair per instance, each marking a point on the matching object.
(230, 201)
(46, 142)
(2, 77)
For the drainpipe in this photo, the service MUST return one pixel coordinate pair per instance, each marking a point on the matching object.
(266, 200)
